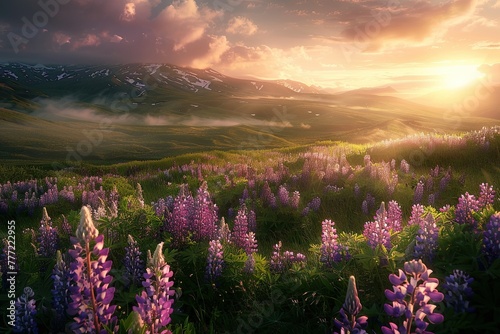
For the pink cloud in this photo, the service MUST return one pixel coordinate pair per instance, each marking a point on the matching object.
(242, 26)
(414, 22)
(87, 40)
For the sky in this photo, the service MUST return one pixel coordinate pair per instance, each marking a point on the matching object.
(414, 46)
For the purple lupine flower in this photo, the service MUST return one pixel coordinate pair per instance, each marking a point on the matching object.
(25, 313)
(154, 304)
(367, 160)
(68, 194)
(251, 245)
(267, 195)
(393, 183)
(429, 183)
(276, 263)
(295, 200)
(30, 203)
(445, 209)
(240, 228)
(491, 238)
(486, 195)
(252, 221)
(90, 293)
(61, 277)
(283, 195)
(244, 196)
(331, 251)
(364, 207)
(431, 200)
(181, 217)
(113, 200)
(350, 309)
(50, 197)
(215, 261)
(426, 239)
(416, 217)
(280, 262)
(445, 180)
(133, 263)
(419, 193)
(13, 198)
(94, 198)
(457, 291)
(66, 227)
(315, 204)
(377, 232)
(289, 258)
(467, 205)
(47, 237)
(410, 299)
(404, 166)
(223, 232)
(163, 207)
(205, 215)
(394, 216)
(357, 190)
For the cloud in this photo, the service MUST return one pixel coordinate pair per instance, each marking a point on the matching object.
(242, 26)
(486, 45)
(413, 22)
(216, 47)
(128, 13)
(305, 126)
(61, 38)
(184, 23)
(114, 31)
(86, 40)
(478, 21)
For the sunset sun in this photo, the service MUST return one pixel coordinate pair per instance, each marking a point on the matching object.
(458, 76)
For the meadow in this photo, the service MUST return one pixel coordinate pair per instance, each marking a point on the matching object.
(395, 236)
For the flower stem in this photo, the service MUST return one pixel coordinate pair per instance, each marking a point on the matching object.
(97, 325)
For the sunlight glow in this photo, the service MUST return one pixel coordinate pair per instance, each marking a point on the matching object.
(458, 76)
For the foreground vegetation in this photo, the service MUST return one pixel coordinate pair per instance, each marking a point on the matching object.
(262, 241)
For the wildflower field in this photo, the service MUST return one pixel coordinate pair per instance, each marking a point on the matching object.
(401, 236)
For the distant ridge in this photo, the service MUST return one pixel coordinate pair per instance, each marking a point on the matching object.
(385, 90)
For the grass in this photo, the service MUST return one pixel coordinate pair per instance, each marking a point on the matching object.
(300, 300)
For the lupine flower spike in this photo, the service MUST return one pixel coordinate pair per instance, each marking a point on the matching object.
(458, 291)
(154, 305)
(133, 263)
(410, 299)
(91, 295)
(491, 238)
(61, 276)
(350, 309)
(25, 313)
(215, 261)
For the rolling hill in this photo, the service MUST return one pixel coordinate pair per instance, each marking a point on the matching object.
(113, 113)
